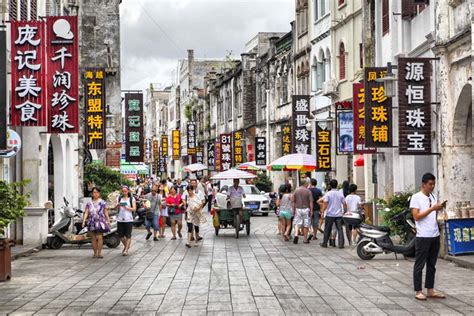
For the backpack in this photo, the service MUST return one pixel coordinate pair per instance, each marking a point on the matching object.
(131, 199)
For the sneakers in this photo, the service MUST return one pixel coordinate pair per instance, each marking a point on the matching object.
(148, 236)
(155, 239)
(323, 245)
(295, 240)
(179, 234)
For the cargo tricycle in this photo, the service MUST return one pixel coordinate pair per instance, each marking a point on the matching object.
(230, 218)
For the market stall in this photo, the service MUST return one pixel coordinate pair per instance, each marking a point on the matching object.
(459, 229)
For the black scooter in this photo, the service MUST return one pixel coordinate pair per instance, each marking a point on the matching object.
(376, 239)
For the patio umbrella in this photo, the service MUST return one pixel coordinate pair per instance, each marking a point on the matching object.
(294, 162)
(233, 174)
(251, 165)
(194, 167)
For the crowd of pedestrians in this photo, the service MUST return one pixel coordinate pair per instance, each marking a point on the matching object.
(305, 209)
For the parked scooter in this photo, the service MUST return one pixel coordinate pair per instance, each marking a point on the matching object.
(69, 230)
(376, 239)
(140, 214)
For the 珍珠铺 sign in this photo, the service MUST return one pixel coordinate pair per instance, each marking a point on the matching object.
(378, 109)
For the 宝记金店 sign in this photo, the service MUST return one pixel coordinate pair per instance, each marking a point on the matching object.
(134, 137)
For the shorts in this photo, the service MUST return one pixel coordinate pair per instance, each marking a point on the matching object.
(124, 229)
(316, 219)
(302, 218)
(153, 223)
(176, 217)
(286, 214)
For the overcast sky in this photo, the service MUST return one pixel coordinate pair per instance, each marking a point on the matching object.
(156, 33)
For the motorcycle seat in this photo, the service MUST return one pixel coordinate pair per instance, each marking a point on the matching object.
(381, 228)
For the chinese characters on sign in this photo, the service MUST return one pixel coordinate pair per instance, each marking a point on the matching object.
(226, 151)
(134, 127)
(176, 138)
(164, 146)
(358, 98)
(211, 156)
(238, 148)
(301, 138)
(260, 151)
(217, 155)
(191, 139)
(378, 110)
(199, 159)
(94, 98)
(156, 155)
(62, 48)
(286, 140)
(414, 95)
(323, 148)
(460, 235)
(345, 127)
(28, 72)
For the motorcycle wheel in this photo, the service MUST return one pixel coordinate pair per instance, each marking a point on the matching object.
(56, 243)
(112, 241)
(362, 253)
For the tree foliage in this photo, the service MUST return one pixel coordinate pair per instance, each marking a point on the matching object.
(12, 203)
(396, 204)
(262, 182)
(105, 178)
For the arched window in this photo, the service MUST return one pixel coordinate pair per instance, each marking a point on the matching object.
(342, 61)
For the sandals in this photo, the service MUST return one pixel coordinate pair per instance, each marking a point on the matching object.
(420, 297)
(437, 295)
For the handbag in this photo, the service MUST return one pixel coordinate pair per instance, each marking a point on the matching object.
(150, 215)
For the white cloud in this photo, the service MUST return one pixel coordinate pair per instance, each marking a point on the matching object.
(156, 33)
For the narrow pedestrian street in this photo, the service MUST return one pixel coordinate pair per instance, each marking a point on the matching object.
(259, 274)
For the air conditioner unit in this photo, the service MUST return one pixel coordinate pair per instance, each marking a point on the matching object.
(330, 88)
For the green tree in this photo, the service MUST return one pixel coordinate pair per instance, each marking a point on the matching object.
(262, 182)
(105, 178)
(396, 204)
(12, 203)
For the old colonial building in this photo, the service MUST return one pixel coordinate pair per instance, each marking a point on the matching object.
(453, 44)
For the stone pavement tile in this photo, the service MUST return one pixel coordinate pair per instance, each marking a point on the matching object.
(293, 306)
(240, 290)
(316, 304)
(49, 311)
(220, 313)
(216, 297)
(396, 312)
(122, 309)
(149, 303)
(73, 310)
(268, 303)
(21, 313)
(338, 303)
(194, 312)
(348, 313)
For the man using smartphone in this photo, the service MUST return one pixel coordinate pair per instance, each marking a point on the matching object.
(423, 206)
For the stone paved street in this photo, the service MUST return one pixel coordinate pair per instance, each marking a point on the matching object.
(256, 274)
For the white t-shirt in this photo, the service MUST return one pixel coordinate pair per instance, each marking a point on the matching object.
(428, 226)
(353, 202)
(124, 215)
(335, 200)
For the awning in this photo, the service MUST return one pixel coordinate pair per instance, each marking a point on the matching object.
(142, 169)
(359, 162)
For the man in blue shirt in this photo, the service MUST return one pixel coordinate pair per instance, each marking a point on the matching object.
(333, 204)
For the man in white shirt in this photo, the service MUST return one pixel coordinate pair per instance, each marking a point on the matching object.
(423, 206)
(332, 209)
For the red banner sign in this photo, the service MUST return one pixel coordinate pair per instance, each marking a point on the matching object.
(62, 77)
(28, 73)
(358, 99)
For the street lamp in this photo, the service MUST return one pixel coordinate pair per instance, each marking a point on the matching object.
(326, 123)
(389, 81)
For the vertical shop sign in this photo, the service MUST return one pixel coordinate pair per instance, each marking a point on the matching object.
(176, 138)
(345, 127)
(28, 73)
(94, 98)
(323, 148)
(286, 140)
(199, 159)
(414, 95)
(148, 149)
(211, 155)
(134, 127)
(260, 151)
(218, 153)
(301, 137)
(238, 148)
(62, 74)
(191, 138)
(358, 97)
(3, 90)
(378, 110)
(156, 155)
(226, 151)
(164, 146)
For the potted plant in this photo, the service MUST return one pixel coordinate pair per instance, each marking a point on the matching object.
(12, 204)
